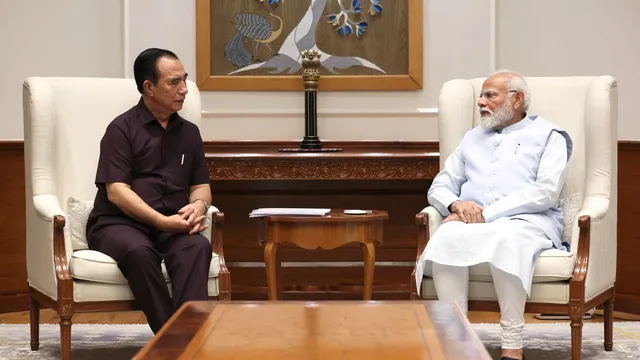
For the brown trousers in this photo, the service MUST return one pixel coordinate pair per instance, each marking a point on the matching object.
(139, 254)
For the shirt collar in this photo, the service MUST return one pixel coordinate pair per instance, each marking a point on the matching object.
(517, 126)
(146, 116)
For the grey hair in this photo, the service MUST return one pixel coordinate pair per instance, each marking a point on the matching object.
(517, 83)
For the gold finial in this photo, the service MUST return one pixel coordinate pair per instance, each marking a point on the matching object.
(310, 72)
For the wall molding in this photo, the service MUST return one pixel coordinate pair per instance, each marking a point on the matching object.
(289, 113)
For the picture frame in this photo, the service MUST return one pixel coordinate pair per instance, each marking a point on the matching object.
(212, 72)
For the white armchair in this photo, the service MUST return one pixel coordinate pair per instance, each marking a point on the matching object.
(564, 282)
(64, 120)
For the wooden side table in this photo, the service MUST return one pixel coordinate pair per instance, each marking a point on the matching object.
(327, 232)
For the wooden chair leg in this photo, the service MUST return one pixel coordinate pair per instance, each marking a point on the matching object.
(65, 337)
(34, 323)
(608, 325)
(414, 293)
(224, 286)
(576, 314)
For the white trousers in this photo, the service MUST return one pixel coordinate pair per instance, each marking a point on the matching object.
(452, 284)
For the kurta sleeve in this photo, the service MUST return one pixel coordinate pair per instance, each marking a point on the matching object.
(445, 187)
(541, 195)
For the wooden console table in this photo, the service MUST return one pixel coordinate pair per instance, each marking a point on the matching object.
(389, 176)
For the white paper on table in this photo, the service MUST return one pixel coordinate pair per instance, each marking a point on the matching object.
(289, 212)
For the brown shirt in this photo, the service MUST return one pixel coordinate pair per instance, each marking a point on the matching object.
(159, 164)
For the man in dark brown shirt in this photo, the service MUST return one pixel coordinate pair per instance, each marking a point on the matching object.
(153, 193)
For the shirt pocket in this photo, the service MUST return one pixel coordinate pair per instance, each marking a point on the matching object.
(182, 172)
(523, 161)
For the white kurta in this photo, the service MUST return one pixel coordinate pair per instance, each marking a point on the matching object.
(510, 244)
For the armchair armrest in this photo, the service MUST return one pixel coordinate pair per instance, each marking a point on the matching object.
(48, 251)
(428, 220)
(47, 206)
(209, 222)
(595, 247)
(215, 220)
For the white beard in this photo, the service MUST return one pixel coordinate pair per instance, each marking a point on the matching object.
(499, 117)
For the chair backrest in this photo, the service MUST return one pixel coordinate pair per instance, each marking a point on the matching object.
(586, 107)
(64, 121)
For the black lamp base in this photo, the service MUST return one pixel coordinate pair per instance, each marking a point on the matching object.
(311, 142)
(303, 150)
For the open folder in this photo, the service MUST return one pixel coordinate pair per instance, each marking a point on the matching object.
(289, 212)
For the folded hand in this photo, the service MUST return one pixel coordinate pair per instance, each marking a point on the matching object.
(194, 215)
(468, 211)
(452, 217)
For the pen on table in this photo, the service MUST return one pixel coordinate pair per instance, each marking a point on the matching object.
(516, 150)
(182, 161)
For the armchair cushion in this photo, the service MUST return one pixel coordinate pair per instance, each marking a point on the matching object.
(90, 265)
(552, 265)
(570, 206)
(77, 216)
(548, 292)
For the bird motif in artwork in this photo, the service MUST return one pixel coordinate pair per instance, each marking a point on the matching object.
(256, 28)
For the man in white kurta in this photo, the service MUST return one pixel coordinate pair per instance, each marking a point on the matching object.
(499, 192)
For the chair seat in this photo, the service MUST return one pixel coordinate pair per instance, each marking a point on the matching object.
(556, 292)
(552, 265)
(90, 265)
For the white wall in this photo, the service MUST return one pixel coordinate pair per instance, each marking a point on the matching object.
(576, 37)
(535, 37)
(54, 38)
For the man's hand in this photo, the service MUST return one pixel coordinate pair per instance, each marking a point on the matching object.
(468, 211)
(174, 224)
(194, 215)
(178, 224)
(192, 211)
(452, 217)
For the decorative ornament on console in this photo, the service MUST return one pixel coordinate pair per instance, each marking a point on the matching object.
(311, 76)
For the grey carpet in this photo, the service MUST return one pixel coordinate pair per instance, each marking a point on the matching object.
(543, 341)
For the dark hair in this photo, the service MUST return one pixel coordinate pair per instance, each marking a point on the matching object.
(145, 67)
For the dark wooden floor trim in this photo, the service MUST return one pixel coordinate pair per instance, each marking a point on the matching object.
(13, 271)
(14, 302)
(630, 303)
(11, 145)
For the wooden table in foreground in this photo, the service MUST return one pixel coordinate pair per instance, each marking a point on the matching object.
(321, 232)
(337, 330)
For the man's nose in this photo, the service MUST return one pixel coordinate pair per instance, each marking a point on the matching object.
(183, 90)
(482, 102)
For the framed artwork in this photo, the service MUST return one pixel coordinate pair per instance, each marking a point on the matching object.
(257, 44)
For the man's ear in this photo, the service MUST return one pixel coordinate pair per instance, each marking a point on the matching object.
(519, 99)
(148, 87)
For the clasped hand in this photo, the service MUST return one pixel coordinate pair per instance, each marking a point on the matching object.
(188, 219)
(465, 211)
